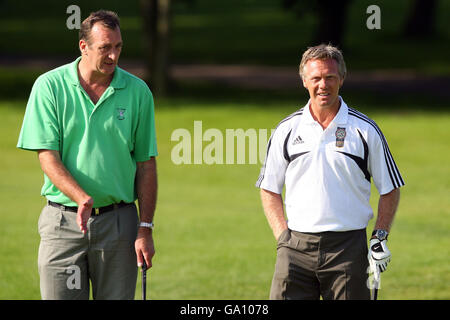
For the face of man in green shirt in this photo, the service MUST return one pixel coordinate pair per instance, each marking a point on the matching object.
(101, 51)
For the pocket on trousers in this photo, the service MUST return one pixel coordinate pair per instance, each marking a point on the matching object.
(49, 223)
(68, 228)
(128, 224)
(284, 238)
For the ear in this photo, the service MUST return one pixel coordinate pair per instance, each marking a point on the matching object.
(83, 46)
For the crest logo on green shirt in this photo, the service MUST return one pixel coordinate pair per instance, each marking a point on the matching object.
(121, 113)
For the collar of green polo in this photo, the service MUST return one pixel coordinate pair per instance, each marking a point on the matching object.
(71, 76)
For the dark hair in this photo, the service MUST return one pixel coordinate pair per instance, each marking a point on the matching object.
(107, 18)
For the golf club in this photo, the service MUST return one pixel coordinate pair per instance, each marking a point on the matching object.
(375, 281)
(144, 280)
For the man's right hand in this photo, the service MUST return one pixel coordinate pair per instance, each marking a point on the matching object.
(279, 233)
(53, 167)
(84, 213)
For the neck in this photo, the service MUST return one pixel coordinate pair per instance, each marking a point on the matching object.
(92, 77)
(324, 115)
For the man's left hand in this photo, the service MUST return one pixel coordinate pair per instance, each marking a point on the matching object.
(144, 247)
(379, 254)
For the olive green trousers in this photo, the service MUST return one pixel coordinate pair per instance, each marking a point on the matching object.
(331, 265)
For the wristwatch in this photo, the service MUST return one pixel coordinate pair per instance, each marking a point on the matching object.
(147, 225)
(380, 234)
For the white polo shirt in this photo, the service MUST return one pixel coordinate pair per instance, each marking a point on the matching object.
(327, 172)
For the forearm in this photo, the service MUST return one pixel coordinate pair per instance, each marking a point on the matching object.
(146, 186)
(273, 209)
(55, 170)
(387, 206)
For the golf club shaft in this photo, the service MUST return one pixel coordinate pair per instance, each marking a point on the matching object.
(375, 284)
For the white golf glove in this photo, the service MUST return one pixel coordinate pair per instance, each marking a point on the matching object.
(379, 255)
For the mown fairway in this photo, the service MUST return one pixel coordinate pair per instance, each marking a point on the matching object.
(212, 239)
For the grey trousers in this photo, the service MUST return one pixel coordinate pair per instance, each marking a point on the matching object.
(333, 265)
(70, 261)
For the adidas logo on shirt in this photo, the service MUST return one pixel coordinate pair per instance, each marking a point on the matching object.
(298, 140)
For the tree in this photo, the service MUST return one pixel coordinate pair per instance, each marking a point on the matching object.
(420, 22)
(331, 15)
(157, 20)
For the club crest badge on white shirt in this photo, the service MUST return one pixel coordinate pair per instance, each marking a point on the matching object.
(340, 137)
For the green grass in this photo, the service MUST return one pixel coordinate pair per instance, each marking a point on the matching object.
(212, 239)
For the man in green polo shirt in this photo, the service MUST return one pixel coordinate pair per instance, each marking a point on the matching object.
(92, 125)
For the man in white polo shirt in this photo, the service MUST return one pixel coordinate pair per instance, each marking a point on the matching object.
(326, 154)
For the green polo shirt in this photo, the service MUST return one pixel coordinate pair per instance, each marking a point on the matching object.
(99, 143)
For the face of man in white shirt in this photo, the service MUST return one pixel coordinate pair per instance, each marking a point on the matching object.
(321, 79)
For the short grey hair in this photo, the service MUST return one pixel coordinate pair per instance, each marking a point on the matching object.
(323, 52)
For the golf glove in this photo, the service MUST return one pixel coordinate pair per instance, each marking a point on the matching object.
(379, 255)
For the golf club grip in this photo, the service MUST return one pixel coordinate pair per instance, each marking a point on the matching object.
(144, 281)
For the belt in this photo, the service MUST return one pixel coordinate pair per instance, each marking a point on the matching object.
(95, 211)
